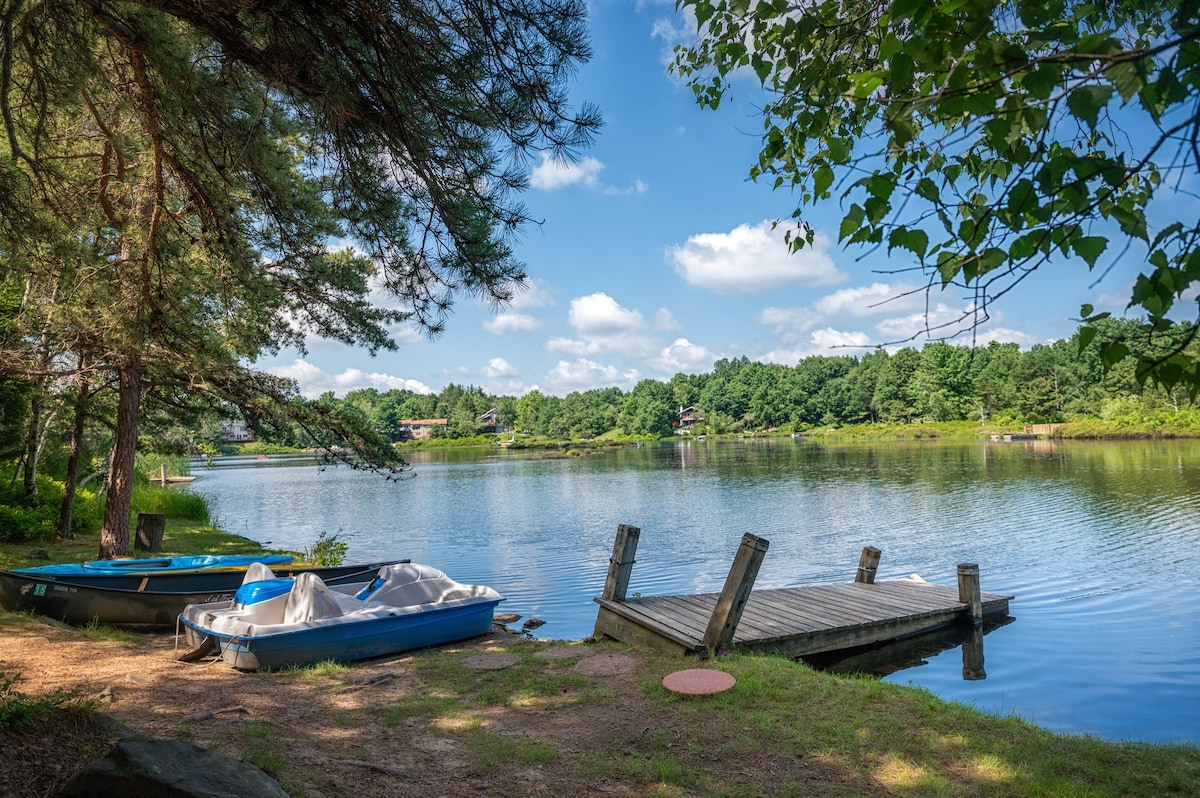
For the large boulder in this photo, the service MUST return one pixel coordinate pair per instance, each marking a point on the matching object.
(169, 769)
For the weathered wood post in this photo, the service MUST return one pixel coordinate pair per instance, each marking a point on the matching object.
(968, 591)
(150, 528)
(868, 564)
(735, 594)
(620, 565)
(162, 470)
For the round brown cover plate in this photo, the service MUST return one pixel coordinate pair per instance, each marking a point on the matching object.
(698, 681)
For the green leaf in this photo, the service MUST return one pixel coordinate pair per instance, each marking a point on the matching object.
(1086, 335)
(1113, 353)
(927, 189)
(1086, 102)
(1090, 248)
(822, 180)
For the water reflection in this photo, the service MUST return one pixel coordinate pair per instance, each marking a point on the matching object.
(885, 659)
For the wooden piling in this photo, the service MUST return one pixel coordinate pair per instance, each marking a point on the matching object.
(868, 564)
(620, 565)
(969, 593)
(728, 610)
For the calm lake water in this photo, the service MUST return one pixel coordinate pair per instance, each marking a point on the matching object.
(1098, 542)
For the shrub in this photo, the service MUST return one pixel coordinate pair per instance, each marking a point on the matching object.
(328, 550)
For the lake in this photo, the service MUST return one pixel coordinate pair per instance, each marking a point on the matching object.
(1098, 541)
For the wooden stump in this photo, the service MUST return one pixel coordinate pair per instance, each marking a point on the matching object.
(150, 528)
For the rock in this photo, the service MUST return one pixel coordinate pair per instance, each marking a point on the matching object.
(169, 769)
(505, 618)
(531, 624)
(38, 554)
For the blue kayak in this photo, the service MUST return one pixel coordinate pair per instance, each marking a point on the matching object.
(158, 565)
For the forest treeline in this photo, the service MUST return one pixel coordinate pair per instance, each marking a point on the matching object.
(941, 382)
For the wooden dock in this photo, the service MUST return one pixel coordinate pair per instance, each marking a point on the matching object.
(795, 621)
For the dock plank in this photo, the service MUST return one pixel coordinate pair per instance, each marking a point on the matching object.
(796, 620)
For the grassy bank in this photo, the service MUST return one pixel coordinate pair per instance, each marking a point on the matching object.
(594, 719)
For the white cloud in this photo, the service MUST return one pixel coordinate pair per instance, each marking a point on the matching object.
(665, 321)
(532, 294)
(313, 381)
(828, 338)
(552, 174)
(826, 341)
(752, 259)
(499, 367)
(515, 316)
(583, 374)
(683, 355)
(506, 322)
(572, 346)
(788, 319)
(939, 321)
(600, 314)
(1007, 336)
(871, 300)
(603, 325)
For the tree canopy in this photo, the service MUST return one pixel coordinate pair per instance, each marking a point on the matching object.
(174, 177)
(986, 139)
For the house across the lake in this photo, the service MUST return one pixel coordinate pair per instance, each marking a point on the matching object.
(689, 417)
(488, 422)
(420, 429)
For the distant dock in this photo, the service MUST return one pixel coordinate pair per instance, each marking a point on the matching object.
(794, 621)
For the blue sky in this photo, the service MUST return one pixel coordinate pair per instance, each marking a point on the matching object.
(656, 256)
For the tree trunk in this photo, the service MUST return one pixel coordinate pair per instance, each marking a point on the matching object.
(114, 536)
(32, 444)
(71, 478)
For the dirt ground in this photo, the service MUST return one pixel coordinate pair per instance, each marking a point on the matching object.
(328, 736)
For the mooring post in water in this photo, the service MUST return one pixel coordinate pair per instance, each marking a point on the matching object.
(620, 565)
(868, 564)
(735, 594)
(968, 591)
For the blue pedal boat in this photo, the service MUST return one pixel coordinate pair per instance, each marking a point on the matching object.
(303, 620)
(148, 599)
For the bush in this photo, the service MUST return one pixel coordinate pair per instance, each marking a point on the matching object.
(327, 551)
(25, 521)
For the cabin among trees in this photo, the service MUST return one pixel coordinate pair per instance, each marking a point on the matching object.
(236, 431)
(489, 422)
(689, 417)
(422, 428)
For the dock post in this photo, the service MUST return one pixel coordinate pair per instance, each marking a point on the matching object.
(968, 591)
(735, 594)
(868, 564)
(620, 565)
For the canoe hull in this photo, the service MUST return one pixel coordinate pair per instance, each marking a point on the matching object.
(351, 641)
(118, 599)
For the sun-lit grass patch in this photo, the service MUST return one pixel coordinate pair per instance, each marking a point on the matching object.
(457, 723)
(113, 634)
(993, 768)
(896, 773)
